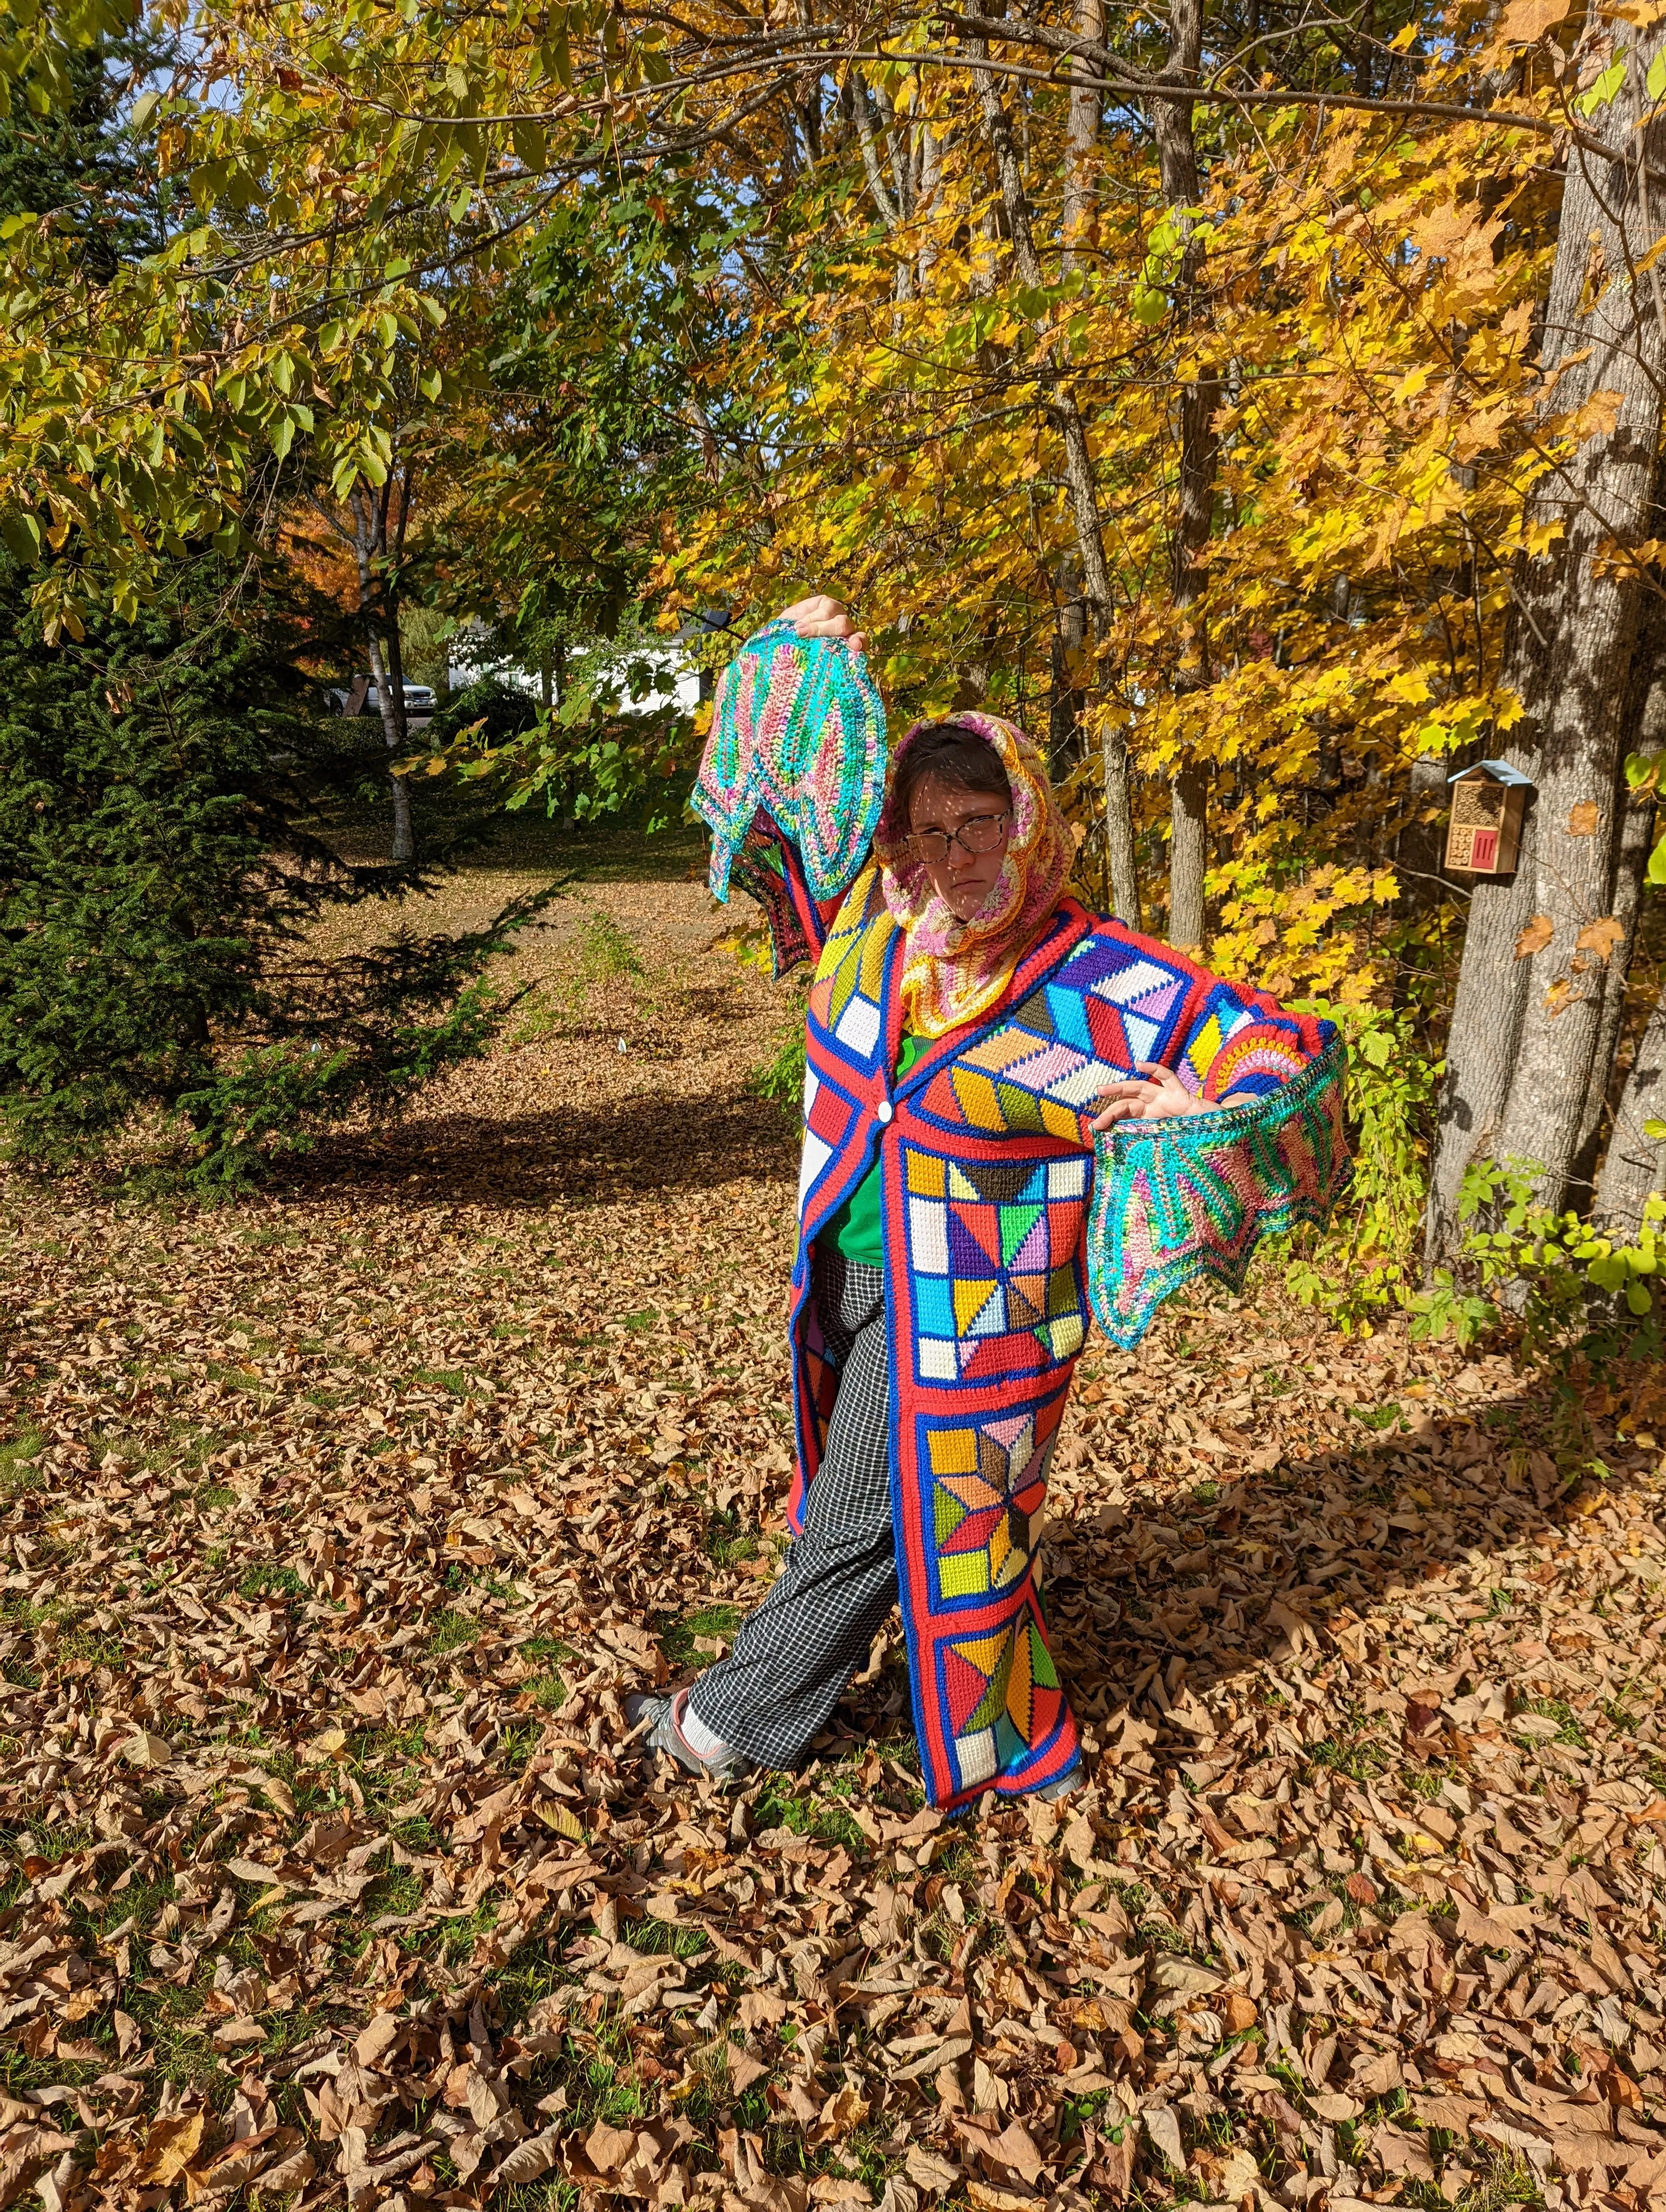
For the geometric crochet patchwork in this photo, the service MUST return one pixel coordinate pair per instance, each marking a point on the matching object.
(1007, 1224)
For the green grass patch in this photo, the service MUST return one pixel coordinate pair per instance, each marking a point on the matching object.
(23, 1613)
(605, 951)
(728, 1540)
(1375, 1417)
(676, 1640)
(269, 1578)
(1569, 1727)
(18, 1455)
(826, 1819)
(1357, 1750)
(447, 1378)
(83, 1644)
(519, 1740)
(547, 1687)
(450, 1632)
(400, 1891)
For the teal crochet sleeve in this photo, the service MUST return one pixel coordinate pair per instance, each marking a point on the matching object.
(1193, 1196)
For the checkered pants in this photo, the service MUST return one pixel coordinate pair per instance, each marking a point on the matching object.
(793, 1657)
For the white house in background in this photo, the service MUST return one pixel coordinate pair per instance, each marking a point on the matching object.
(697, 685)
(682, 686)
(471, 657)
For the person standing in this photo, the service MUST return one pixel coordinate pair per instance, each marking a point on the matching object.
(1016, 1113)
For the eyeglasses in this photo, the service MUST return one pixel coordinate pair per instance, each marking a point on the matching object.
(979, 833)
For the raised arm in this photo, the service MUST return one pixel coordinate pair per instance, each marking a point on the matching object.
(793, 775)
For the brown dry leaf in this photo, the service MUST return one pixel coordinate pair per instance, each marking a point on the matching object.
(1525, 21)
(1601, 937)
(1162, 2129)
(1534, 938)
(840, 2116)
(539, 2154)
(1014, 2147)
(170, 2145)
(989, 2198)
(378, 2039)
(1584, 818)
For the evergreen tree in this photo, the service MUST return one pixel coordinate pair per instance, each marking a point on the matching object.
(160, 783)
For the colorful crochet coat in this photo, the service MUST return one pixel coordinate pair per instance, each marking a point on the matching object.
(1007, 1221)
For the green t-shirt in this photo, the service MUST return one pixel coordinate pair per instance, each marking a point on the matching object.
(858, 1227)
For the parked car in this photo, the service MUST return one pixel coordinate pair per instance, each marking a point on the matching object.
(362, 697)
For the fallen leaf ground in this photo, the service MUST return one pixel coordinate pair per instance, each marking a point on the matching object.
(338, 1524)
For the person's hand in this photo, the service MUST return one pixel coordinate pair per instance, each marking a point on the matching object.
(1161, 1097)
(820, 617)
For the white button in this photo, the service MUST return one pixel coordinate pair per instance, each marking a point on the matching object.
(884, 1109)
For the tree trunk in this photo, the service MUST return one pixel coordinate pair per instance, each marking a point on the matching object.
(931, 171)
(1637, 826)
(1064, 712)
(1604, 495)
(1481, 1052)
(1060, 403)
(1643, 731)
(1118, 786)
(1081, 183)
(405, 834)
(1636, 1162)
(390, 696)
(1524, 1029)
(1362, 53)
(1419, 857)
(1176, 150)
(1187, 859)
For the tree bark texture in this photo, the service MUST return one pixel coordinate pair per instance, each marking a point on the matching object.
(1643, 730)
(1487, 1015)
(1187, 858)
(381, 637)
(1064, 711)
(1176, 149)
(1524, 1030)
(1059, 402)
(1418, 859)
(1635, 1164)
(1637, 824)
(1604, 496)
(1081, 184)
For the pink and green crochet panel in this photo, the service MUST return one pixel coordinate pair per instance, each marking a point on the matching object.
(799, 732)
(1174, 1200)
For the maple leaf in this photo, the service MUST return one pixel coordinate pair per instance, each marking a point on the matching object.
(1534, 938)
(1603, 936)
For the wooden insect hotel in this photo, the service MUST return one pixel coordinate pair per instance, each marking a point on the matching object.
(1489, 802)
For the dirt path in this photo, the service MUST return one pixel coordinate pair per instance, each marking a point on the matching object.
(338, 1524)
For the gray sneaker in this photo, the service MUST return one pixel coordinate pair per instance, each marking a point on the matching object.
(661, 1716)
(1065, 1785)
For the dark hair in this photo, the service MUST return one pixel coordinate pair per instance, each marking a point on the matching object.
(956, 756)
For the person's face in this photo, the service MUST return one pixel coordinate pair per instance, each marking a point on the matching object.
(962, 879)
